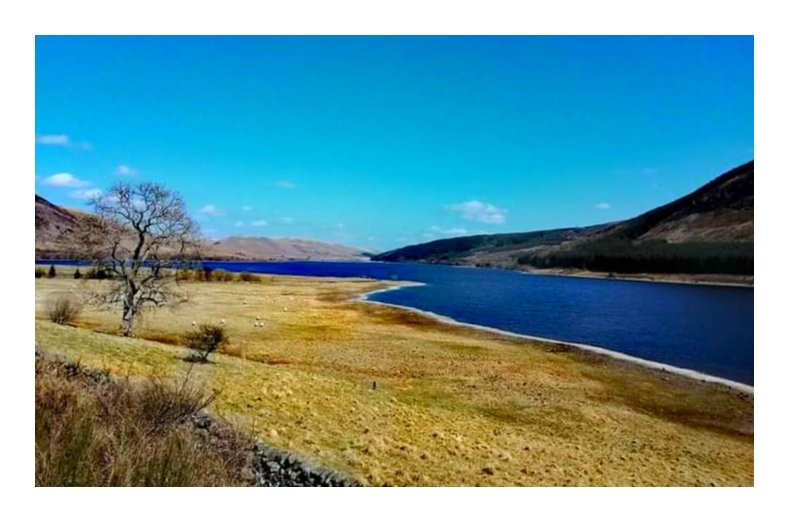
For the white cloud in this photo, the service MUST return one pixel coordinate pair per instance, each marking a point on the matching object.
(210, 210)
(65, 179)
(287, 220)
(603, 205)
(125, 170)
(85, 194)
(239, 224)
(260, 223)
(61, 140)
(285, 184)
(246, 208)
(479, 211)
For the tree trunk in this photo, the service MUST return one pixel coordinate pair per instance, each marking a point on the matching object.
(129, 311)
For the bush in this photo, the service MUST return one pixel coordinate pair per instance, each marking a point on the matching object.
(249, 278)
(63, 311)
(95, 273)
(77, 274)
(205, 340)
(40, 272)
(52, 272)
(222, 275)
(104, 432)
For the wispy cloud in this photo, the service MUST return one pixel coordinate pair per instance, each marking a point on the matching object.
(60, 140)
(125, 170)
(246, 208)
(457, 231)
(287, 221)
(285, 184)
(65, 179)
(210, 210)
(260, 223)
(603, 205)
(239, 224)
(480, 212)
(85, 194)
(438, 232)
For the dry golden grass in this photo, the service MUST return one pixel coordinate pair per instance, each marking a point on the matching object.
(451, 405)
(111, 433)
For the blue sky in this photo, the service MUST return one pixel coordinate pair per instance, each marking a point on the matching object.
(386, 141)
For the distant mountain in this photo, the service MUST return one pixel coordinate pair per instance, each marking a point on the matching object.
(239, 247)
(56, 227)
(709, 231)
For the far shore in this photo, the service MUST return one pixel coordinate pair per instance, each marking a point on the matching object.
(740, 281)
(679, 279)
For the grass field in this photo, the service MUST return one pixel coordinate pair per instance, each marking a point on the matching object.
(451, 405)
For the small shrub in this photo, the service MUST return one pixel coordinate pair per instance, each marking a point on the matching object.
(40, 272)
(63, 311)
(249, 278)
(184, 274)
(205, 340)
(222, 275)
(52, 272)
(77, 274)
(94, 273)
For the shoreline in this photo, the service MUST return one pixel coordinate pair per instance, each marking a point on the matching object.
(643, 278)
(644, 363)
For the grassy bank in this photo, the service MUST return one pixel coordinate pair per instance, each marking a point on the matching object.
(391, 397)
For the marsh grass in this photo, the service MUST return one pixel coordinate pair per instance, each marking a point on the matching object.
(93, 432)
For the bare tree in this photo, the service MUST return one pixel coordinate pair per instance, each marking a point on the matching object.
(139, 235)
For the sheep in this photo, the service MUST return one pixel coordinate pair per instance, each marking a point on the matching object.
(194, 323)
(284, 308)
(222, 321)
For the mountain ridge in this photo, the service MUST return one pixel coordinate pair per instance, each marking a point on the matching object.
(57, 226)
(709, 230)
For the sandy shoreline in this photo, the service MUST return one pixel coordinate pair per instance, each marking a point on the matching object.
(685, 372)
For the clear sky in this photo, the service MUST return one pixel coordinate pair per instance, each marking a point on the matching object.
(385, 141)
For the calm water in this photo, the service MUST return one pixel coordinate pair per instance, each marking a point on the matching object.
(704, 328)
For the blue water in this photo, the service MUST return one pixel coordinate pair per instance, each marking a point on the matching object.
(704, 328)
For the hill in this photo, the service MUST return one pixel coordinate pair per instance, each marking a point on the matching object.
(242, 247)
(709, 231)
(56, 228)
